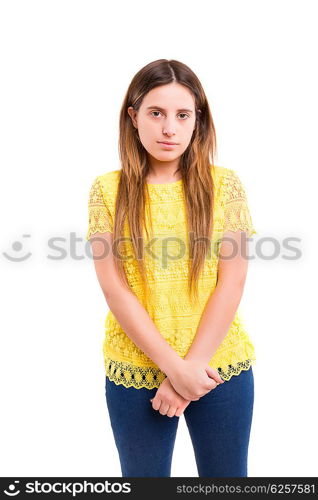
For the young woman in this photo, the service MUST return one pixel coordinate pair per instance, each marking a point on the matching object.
(168, 233)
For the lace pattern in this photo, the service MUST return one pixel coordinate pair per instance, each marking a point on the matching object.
(123, 373)
(99, 216)
(237, 216)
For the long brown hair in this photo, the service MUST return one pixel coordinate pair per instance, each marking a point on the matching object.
(194, 165)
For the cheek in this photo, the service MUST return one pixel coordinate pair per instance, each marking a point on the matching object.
(148, 131)
(186, 130)
(148, 139)
(187, 134)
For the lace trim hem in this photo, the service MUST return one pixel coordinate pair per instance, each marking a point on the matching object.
(150, 377)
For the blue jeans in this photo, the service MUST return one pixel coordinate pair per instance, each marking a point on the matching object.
(219, 424)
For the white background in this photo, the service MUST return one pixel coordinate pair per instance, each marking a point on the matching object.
(65, 67)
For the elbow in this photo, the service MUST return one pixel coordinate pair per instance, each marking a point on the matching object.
(232, 279)
(109, 294)
(114, 293)
(232, 285)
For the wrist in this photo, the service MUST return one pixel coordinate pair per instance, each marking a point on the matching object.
(171, 364)
(196, 357)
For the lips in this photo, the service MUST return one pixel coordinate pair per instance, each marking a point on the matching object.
(168, 143)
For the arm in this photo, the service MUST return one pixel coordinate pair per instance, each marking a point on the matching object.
(124, 305)
(127, 309)
(224, 301)
(184, 375)
(232, 269)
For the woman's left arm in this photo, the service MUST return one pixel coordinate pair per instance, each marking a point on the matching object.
(217, 315)
(222, 305)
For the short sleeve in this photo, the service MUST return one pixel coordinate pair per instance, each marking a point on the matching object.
(99, 216)
(237, 215)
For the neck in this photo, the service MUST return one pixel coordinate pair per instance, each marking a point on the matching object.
(163, 171)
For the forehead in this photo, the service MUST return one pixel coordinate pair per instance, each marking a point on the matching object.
(173, 95)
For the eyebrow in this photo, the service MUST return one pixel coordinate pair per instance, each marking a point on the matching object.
(162, 109)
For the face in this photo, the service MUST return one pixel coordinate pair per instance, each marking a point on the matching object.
(167, 113)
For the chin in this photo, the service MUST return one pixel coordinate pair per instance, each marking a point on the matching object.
(165, 154)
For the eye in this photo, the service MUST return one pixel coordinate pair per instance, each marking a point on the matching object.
(184, 114)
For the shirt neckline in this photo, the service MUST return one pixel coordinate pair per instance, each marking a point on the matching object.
(164, 184)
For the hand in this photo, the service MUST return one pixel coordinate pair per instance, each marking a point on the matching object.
(168, 401)
(192, 379)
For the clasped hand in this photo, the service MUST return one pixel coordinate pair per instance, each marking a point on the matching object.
(188, 382)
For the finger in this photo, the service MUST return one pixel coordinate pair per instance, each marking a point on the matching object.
(217, 377)
(209, 387)
(179, 412)
(214, 374)
(181, 408)
(172, 411)
(213, 383)
(156, 402)
(164, 407)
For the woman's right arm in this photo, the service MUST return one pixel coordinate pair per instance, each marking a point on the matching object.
(137, 324)
(127, 309)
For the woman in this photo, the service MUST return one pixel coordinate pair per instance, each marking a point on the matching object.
(168, 233)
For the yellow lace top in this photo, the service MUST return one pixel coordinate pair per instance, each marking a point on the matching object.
(170, 308)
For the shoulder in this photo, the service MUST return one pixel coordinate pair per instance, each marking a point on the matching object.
(227, 176)
(108, 182)
(222, 176)
(104, 188)
(222, 173)
(229, 185)
(109, 178)
(223, 179)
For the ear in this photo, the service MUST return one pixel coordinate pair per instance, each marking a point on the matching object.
(132, 113)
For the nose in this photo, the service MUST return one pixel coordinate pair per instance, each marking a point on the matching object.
(169, 127)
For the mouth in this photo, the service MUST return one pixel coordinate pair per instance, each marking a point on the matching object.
(168, 144)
